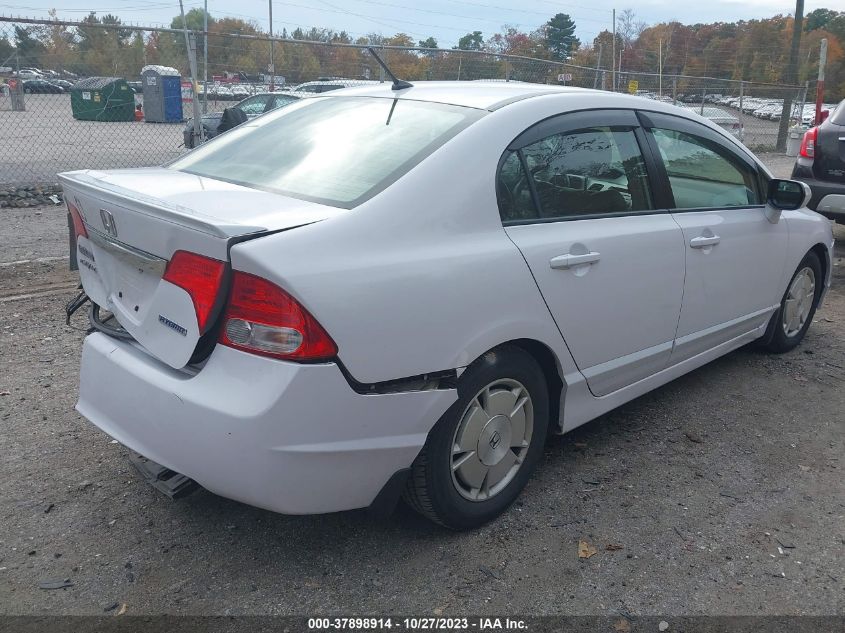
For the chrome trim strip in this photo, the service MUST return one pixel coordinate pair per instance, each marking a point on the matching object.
(129, 254)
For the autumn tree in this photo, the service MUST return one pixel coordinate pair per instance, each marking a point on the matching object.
(471, 42)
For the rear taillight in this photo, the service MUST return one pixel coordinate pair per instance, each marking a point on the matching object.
(200, 277)
(261, 318)
(76, 218)
(808, 143)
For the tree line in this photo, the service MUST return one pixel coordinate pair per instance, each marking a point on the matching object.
(752, 50)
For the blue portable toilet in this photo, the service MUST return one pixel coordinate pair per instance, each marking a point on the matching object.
(162, 94)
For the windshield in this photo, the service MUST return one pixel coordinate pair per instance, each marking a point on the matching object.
(337, 151)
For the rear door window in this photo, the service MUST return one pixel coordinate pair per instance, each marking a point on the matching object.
(595, 171)
(280, 100)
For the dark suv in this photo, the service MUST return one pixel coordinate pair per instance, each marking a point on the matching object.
(821, 164)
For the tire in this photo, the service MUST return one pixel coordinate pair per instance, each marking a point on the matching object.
(450, 491)
(785, 332)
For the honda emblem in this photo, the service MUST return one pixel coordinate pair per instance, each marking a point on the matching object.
(108, 222)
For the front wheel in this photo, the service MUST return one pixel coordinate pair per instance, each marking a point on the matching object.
(480, 454)
(792, 320)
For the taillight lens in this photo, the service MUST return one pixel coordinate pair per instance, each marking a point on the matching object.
(264, 319)
(76, 218)
(200, 277)
(808, 143)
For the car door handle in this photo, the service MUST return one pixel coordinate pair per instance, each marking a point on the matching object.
(702, 241)
(562, 262)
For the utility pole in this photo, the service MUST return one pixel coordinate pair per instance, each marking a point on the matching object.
(791, 75)
(272, 63)
(660, 67)
(598, 66)
(613, 54)
(191, 49)
(820, 84)
(205, 58)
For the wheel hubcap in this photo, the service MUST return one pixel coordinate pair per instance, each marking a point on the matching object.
(799, 301)
(492, 439)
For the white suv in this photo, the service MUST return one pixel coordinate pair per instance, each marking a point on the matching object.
(403, 291)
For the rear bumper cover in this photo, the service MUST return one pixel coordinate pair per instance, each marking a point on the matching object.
(287, 437)
(828, 197)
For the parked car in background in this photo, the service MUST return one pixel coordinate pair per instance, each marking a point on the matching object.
(404, 291)
(808, 116)
(821, 164)
(136, 86)
(327, 85)
(62, 83)
(41, 86)
(251, 107)
(720, 117)
(26, 73)
(240, 92)
(222, 93)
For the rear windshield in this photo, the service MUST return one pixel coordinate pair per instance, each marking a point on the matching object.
(338, 151)
(838, 115)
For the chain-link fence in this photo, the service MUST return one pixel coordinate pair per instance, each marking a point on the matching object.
(72, 94)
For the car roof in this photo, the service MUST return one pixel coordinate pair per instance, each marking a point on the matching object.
(485, 95)
(492, 94)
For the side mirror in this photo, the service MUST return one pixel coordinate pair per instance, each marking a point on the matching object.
(788, 195)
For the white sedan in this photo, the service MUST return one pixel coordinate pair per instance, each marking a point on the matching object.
(401, 292)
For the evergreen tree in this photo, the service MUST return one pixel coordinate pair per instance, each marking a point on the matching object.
(560, 37)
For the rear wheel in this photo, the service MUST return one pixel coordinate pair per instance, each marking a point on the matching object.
(792, 320)
(480, 454)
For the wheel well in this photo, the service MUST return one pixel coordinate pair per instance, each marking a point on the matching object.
(548, 363)
(821, 252)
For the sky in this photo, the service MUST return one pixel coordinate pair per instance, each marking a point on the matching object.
(446, 20)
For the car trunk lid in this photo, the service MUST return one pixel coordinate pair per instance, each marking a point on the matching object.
(136, 220)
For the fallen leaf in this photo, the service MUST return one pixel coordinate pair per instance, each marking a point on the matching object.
(622, 625)
(585, 550)
(122, 609)
(693, 437)
(803, 467)
(663, 625)
(438, 611)
(613, 547)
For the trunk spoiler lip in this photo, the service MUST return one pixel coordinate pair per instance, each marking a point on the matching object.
(155, 207)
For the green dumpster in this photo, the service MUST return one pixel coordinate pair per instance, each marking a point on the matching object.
(102, 99)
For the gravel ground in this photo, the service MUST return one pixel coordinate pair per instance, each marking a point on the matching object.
(720, 493)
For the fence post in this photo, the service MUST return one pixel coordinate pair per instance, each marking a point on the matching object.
(192, 62)
(741, 124)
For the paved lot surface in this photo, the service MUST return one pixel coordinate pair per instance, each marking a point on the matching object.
(720, 493)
